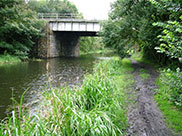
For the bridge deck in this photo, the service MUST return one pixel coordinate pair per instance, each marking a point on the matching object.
(70, 22)
(75, 25)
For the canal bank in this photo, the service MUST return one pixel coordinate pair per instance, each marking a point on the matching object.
(8, 59)
(115, 99)
(35, 76)
(100, 101)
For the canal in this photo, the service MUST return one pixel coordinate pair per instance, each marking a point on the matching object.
(37, 75)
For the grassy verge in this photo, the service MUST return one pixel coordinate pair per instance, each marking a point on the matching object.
(97, 108)
(172, 114)
(98, 51)
(8, 59)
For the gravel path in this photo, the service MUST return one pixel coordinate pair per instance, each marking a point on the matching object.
(144, 117)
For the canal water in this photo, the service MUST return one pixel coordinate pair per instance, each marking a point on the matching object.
(36, 75)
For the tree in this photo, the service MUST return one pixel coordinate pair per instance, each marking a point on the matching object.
(171, 39)
(131, 23)
(19, 28)
(52, 6)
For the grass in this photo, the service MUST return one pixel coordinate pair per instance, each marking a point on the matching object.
(138, 56)
(8, 59)
(172, 114)
(97, 108)
(98, 51)
(143, 74)
(35, 59)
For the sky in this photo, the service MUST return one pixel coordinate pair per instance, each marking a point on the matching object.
(93, 9)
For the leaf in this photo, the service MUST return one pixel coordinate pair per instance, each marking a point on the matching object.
(179, 30)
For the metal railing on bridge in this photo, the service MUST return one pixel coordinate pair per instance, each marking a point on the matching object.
(59, 16)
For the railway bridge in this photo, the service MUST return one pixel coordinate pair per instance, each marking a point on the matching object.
(63, 34)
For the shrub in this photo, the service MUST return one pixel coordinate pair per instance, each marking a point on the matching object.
(171, 40)
(174, 80)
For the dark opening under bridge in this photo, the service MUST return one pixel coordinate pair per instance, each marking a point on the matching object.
(63, 34)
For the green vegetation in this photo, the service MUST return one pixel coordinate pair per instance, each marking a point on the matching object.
(168, 95)
(19, 28)
(7, 59)
(144, 75)
(172, 81)
(52, 6)
(171, 38)
(99, 51)
(91, 44)
(152, 26)
(159, 37)
(105, 50)
(96, 108)
(172, 113)
(99, 106)
(139, 57)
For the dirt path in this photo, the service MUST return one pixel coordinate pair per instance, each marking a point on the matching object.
(144, 117)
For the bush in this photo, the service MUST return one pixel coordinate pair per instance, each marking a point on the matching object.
(174, 81)
(171, 40)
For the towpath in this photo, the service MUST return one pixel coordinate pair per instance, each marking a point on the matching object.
(145, 119)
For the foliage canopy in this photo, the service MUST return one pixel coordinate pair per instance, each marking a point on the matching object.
(19, 28)
(52, 6)
(131, 24)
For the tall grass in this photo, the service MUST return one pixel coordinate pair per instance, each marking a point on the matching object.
(94, 109)
(8, 59)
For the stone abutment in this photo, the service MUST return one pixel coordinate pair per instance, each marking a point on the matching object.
(57, 43)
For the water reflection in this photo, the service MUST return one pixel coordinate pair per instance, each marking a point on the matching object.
(15, 79)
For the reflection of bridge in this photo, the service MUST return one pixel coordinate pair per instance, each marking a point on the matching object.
(63, 34)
